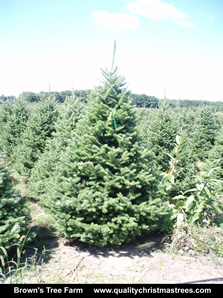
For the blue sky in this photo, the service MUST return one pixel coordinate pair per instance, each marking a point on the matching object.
(171, 44)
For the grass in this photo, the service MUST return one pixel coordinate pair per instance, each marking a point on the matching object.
(13, 269)
(40, 218)
(26, 260)
(195, 240)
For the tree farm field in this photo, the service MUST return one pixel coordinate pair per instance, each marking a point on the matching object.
(106, 187)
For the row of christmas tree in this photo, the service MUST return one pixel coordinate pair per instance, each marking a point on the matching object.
(107, 172)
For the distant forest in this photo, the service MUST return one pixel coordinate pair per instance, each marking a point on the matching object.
(140, 100)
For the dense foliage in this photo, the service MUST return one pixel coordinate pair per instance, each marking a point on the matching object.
(108, 171)
(205, 134)
(39, 128)
(65, 125)
(161, 136)
(13, 120)
(216, 154)
(14, 215)
(104, 188)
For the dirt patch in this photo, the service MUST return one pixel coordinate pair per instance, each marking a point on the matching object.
(79, 263)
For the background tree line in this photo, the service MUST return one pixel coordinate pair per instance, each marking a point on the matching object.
(140, 100)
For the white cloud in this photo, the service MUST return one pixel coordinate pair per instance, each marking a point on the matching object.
(115, 21)
(158, 10)
(185, 24)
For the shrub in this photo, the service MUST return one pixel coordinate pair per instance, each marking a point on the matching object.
(201, 205)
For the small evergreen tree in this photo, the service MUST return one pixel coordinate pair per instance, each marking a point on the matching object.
(64, 126)
(13, 122)
(39, 128)
(104, 189)
(216, 154)
(5, 113)
(204, 134)
(13, 213)
(182, 170)
(145, 118)
(162, 136)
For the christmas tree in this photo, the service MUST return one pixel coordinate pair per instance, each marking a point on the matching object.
(204, 134)
(39, 128)
(162, 135)
(65, 125)
(12, 121)
(216, 154)
(104, 187)
(14, 216)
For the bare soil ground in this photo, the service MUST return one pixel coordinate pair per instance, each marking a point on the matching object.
(129, 263)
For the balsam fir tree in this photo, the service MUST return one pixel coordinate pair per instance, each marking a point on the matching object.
(39, 128)
(104, 189)
(181, 174)
(65, 125)
(162, 135)
(216, 155)
(204, 134)
(14, 217)
(13, 119)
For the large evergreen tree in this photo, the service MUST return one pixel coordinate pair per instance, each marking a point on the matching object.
(104, 188)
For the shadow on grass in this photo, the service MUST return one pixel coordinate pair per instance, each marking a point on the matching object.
(42, 245)
(27, 257)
